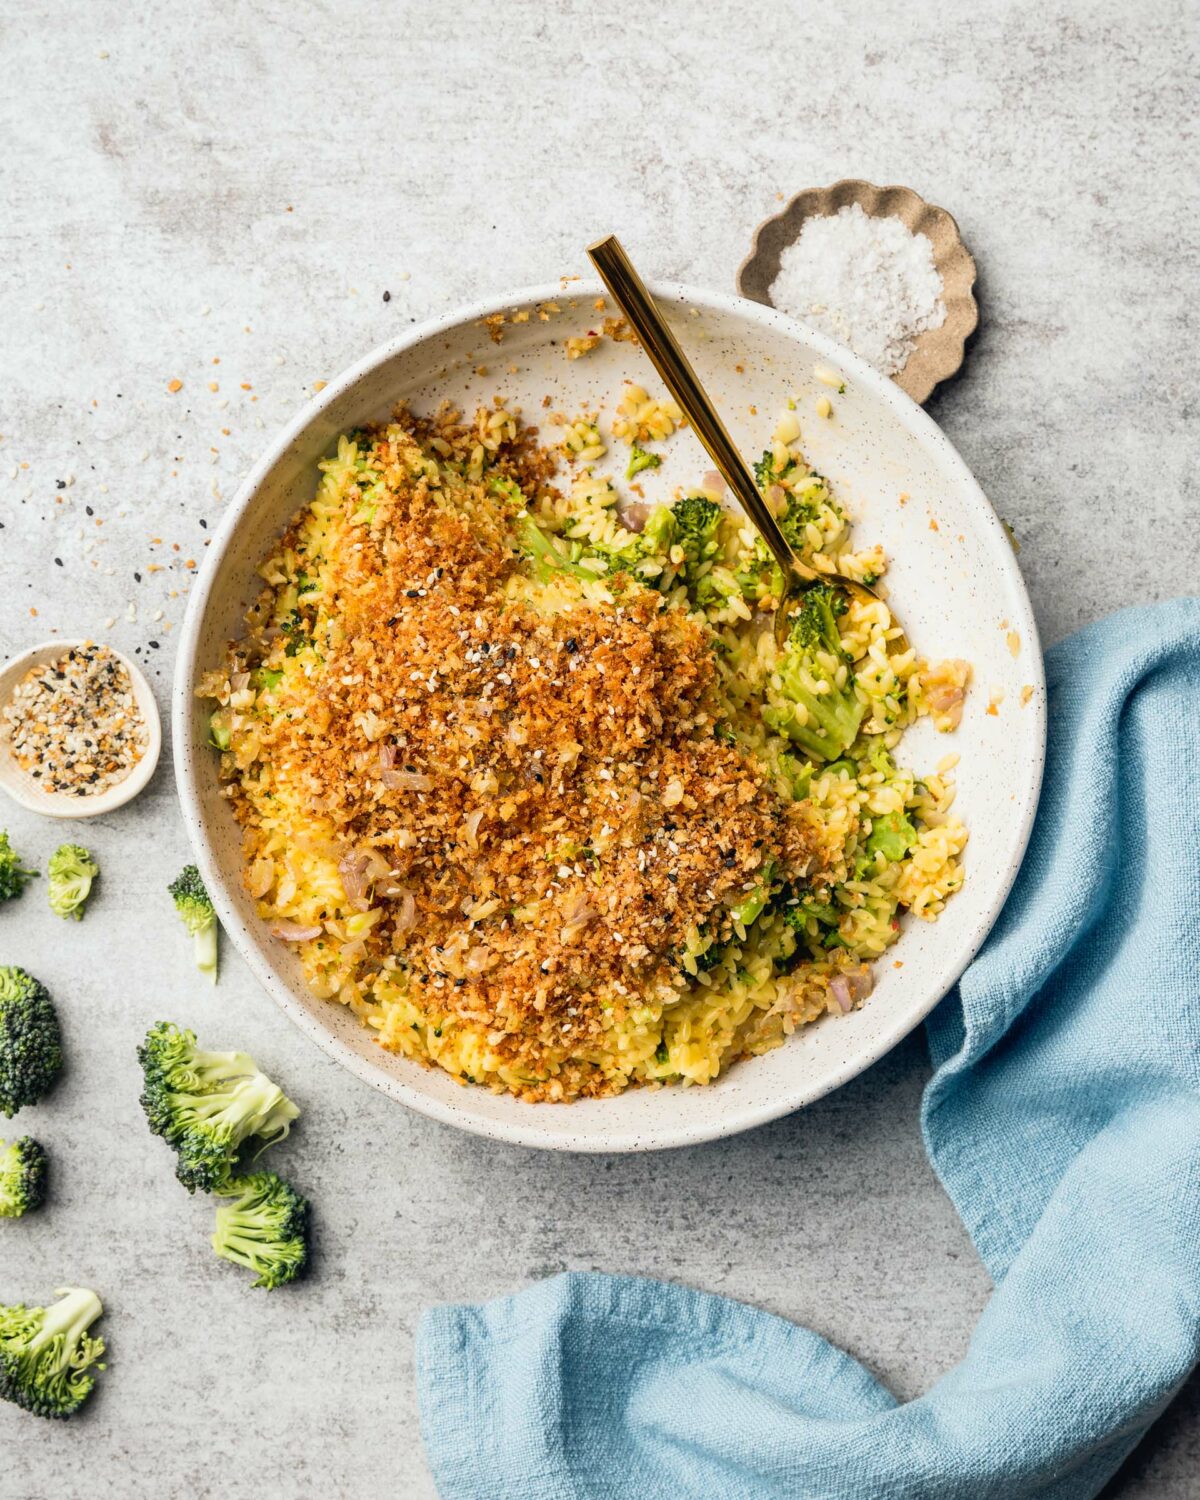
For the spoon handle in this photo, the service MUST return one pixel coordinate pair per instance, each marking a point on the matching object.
(630, 294)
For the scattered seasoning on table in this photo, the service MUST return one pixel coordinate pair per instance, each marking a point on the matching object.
(73, 723)
(869, 282)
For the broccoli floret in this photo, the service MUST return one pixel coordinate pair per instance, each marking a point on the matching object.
(294, 627)
(72, 870)
(764, 470)
(47, 1356)
(697, 527)
(14, 876)
(531, 540)
(697, 534)
(30, 1041)
(810, 708)
(194, 905)
(207, 1105)
(639, 459)
(23, 1167)
(265, 1228)
(758, 575)
(654, 540)
(794, 520)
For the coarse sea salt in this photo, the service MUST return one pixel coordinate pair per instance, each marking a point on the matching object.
(868, 282)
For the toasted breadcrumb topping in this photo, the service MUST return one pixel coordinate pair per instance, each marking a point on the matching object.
(527, 800)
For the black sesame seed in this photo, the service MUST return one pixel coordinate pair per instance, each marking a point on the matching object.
(572, 645)
(387, 296)
(58, 562)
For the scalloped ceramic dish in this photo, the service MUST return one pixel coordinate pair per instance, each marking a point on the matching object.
(939, 351)
(957, 589)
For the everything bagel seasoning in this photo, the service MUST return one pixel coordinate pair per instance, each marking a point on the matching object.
(73, 723)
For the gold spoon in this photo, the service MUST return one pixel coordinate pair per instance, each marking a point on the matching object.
(641, 312)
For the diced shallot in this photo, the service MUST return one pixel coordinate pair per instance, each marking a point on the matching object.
(839, 988)
(406, 916)
(634, 516)
(294, 932)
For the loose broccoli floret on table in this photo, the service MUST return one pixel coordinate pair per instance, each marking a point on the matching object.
(194, 905)
(72, 870)
(47, 1356)
(14, 876)
(264, 1228)
(30, 1041)
(208, 1105)
(811, 707)
(23, 1170)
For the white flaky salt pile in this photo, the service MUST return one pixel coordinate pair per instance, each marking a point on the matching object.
(870, 283)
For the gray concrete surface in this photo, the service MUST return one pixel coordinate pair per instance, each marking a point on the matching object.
(189, 183)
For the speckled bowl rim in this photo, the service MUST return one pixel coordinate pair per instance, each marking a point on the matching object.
(15, 784)
(938, 354)
(537, 1130)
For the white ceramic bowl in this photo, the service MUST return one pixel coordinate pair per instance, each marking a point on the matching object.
(954, 582)
(22, 787)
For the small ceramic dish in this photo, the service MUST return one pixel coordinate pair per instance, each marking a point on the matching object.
(939, 351)
(22, 788)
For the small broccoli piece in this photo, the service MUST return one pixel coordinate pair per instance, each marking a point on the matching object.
(265, 1228)
(220, 730)
(72, 870)
(800, 905)
(47, 1355)
(14, 876)
(531, 540)
(30, 1041)
(194, 905)
(794, 521)
(654, 540)
(758, 574)
(547, 560)
(764, 470)
(207, 1105)
(813, 711)
(639, 459)
(698, 536)
(697, 528)
(296, 629)
(892, 835)
(23, 1167)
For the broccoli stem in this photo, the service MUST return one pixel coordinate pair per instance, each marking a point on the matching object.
(205, 949)
(546, 558)
(67, 1321)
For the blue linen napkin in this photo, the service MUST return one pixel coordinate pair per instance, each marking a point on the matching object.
(1063, 1119)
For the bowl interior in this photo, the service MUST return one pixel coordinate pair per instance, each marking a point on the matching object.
(953, 580)
(24, 789)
